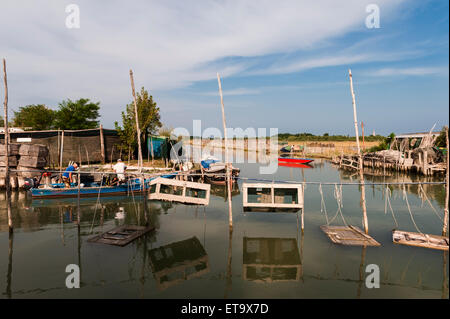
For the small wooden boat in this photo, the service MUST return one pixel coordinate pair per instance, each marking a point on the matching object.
(214, 172)
(58, 190)
(296, 160)
(294, 165)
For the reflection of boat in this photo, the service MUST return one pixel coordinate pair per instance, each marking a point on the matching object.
(296, 160)
(271, 259)
(93, 189)
(179, 261)
(214, 171)
(294, 165)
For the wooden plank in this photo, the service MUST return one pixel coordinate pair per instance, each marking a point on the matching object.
(420, 240)
(121, 236)
(348, 235)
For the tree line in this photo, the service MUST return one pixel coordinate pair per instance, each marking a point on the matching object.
(84, 114)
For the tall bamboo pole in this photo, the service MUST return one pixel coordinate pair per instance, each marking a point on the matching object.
(7, 178)
(230, 213)
(361, 175)
(447, 190)
(362, 131)
(138, 130)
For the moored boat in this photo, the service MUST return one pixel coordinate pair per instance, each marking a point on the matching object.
(58, 190)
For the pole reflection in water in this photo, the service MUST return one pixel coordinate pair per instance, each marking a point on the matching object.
(9, 273)
(229, 260)
(361, 271)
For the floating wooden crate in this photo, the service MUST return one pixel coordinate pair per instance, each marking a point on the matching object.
(420, 240)
(177, 262)
(271, 260)
(348, 235)
(179, 191)
(270, 197)
(121, 236)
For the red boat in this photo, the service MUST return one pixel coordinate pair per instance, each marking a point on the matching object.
(295, 160)
(294, 165)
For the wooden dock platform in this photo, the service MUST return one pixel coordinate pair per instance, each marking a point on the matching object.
(121, 236)
(420, 240)
(348, 235)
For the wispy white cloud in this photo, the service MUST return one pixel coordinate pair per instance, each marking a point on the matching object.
(412, 71)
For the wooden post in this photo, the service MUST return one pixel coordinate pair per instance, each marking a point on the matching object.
(61, 151)
(230, 213)
(361, 175)
(447, 190)
(138, 131)
(362, 131)
(102, 145)
(7, 178)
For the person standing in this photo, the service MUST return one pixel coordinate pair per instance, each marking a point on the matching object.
(119, 169)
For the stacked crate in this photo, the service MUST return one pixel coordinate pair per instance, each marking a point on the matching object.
(32, 157)
(13, 161)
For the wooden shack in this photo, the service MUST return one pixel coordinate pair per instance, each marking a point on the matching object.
(179, 191)
(271, 197)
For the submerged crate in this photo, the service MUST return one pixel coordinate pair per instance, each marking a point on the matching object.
(348, 235)
(177, 262)
(420, 240)
(121, 236)
(179, 191)
(271, 260)
(270, 197)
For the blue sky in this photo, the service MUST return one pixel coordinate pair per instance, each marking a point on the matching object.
(282, 65)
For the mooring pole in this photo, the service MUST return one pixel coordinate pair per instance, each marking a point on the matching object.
(230, 213)
(7, 177)
(102, 144)
(361, 174)
(447, 174)
(138, 130)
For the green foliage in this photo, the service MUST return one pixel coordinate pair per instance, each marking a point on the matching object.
(148, 116)
(441, 140)
(77, 115)
(36, 117)
(384, 145)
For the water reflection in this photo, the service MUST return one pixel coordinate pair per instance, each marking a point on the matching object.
(271, 260)
(174, 263)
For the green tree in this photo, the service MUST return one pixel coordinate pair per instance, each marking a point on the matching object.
(77, 115)
(36, 116)
(148, 117)
(441, 140)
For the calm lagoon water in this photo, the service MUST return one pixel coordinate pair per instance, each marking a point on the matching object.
(191, 254)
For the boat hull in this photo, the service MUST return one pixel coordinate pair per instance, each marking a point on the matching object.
(295, 160)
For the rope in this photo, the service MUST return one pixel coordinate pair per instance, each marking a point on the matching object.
(323, 207)
(338, 196)
(388, 201)
(96, 205)
(405, 197)
(422, 191)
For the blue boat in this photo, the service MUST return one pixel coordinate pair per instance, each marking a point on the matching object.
(58, 190)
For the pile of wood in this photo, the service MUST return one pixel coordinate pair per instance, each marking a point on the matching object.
(388, 156)
(13, 161)
(22, 157)
(32, 157)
